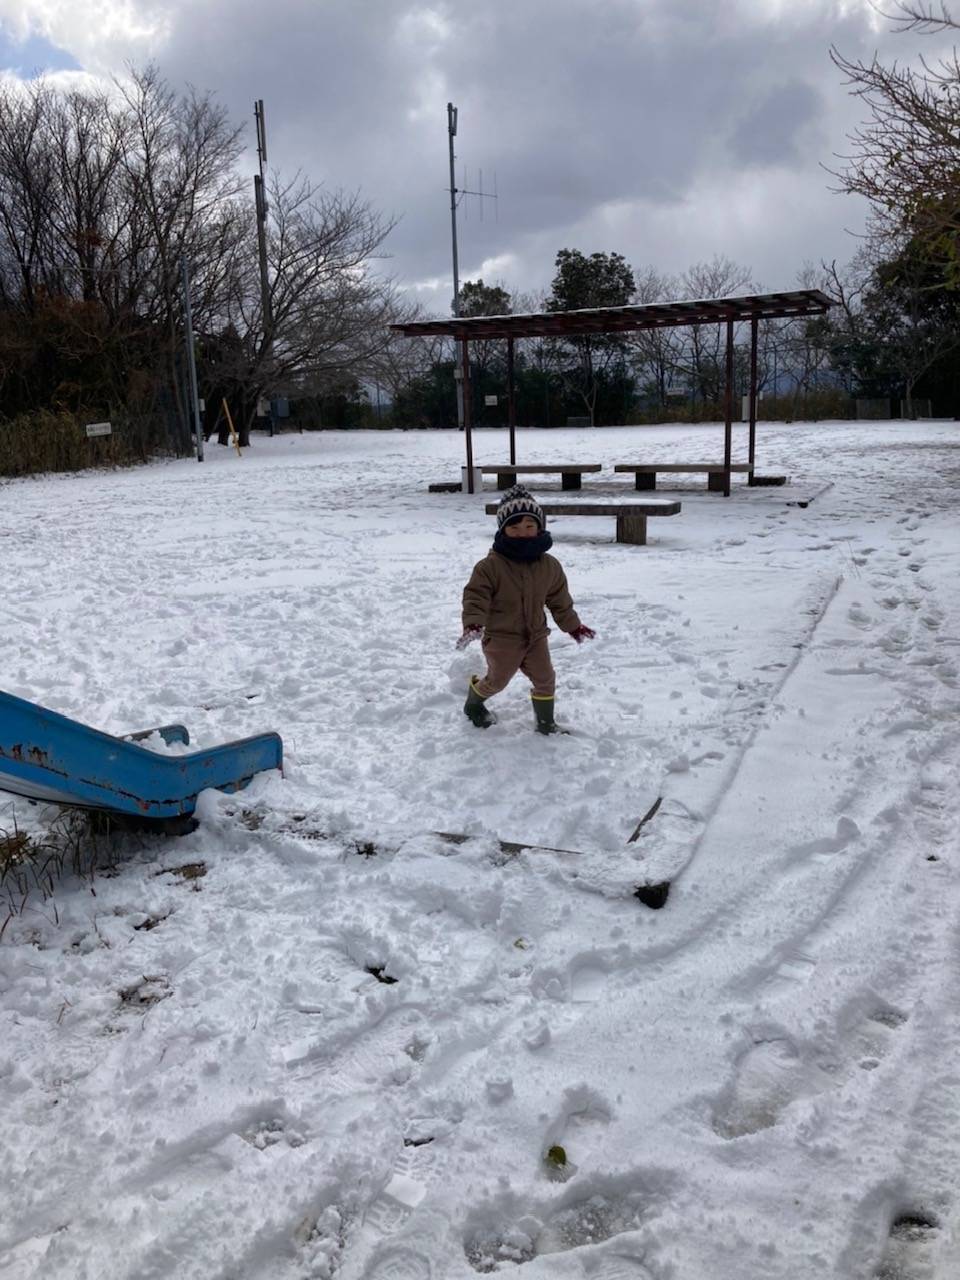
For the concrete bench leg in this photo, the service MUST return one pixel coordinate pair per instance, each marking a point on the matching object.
(506, 479)
(632, 529)
(645, 480)
(570, 479)
(717, 481)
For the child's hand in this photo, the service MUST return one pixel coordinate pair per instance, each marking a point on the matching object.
(469, 635)
(583, 633)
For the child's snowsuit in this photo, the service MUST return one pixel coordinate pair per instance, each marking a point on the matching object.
(507, 598)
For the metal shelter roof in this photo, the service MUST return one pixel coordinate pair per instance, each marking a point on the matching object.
(650, 315)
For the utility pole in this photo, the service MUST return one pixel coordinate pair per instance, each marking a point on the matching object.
(452, 133)
(191, 356)
(260, 194)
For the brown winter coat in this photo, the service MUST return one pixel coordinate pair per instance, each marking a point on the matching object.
(507, 597)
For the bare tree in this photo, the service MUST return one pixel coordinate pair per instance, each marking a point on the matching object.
(657, 353)
(905, 159)
(331, 311)
(703, 344)
(101, 196)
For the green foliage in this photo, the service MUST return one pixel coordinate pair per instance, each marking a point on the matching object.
(602, 280)
(906, 331)
(589, 365)
(429, 399)
(479, 299)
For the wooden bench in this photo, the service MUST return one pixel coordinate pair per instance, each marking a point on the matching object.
(631, 516)
(646, 473)
(571, 474)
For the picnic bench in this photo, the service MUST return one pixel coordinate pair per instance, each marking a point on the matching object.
(631, 516)
(571, 474)
(646, 472)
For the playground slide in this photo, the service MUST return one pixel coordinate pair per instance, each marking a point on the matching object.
(46, 756)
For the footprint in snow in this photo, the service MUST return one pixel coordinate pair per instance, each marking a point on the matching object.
(399, 1264)
(414, 1167)
(847, 832)
(859, 616)
(777, 1070)
(909, 1250)
(576, 1135)
(588, 1213)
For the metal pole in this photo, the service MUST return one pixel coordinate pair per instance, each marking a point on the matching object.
(451, 134)
(467, 414)
(728, 413)
(752, 448)
(511, 403)
(191, 356)
(260, 196)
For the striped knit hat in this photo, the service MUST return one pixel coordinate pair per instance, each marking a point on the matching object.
(516, 503)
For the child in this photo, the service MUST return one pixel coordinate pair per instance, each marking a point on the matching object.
(504, 602)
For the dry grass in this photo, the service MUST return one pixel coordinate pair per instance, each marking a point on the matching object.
(31, 866)
(47, 441)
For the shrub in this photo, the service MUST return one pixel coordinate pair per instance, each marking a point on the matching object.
(48, 441)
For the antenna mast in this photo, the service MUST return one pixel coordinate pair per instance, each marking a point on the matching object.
(452, 132)
(455, 194)
(460, 370)
(260, 195)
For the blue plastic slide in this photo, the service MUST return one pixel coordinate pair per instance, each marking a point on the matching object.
(45, 756)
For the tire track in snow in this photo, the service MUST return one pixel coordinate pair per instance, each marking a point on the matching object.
(672, 846)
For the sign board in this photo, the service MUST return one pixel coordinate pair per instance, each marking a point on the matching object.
(99, 429)
(491, 399)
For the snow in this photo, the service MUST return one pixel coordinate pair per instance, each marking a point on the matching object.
(314, 1039)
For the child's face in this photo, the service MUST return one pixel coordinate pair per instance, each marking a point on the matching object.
(525, 527)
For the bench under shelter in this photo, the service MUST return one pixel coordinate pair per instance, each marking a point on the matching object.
(749, 308)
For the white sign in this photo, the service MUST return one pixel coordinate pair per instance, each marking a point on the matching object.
(99, 428)
(490, 400)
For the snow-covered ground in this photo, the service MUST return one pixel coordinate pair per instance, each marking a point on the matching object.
(201, 1074)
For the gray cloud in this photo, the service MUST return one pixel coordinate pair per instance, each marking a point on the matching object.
(771, 132)
(668, 130)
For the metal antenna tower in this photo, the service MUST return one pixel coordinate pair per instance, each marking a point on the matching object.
(260, 195)
(456, 194)
(461, 370)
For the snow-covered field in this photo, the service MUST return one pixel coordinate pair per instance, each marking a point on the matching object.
(201, 1074)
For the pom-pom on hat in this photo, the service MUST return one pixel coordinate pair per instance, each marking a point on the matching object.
(517, 503)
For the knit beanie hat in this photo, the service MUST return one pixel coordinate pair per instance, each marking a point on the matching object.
(517, 503)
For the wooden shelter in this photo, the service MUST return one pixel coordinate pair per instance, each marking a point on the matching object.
(630, 319)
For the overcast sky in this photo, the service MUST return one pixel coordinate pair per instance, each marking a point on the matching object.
(666, 130)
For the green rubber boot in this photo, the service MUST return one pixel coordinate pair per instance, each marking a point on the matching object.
(543, 710)
(475, 708)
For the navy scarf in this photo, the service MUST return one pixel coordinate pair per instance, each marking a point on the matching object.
(523, 550)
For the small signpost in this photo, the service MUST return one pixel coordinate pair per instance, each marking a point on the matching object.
(98, 429)
(491, 400)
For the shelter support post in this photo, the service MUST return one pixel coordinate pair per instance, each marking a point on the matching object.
(467, 408)
(752, 447)
(728, 413)
(511, 403)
